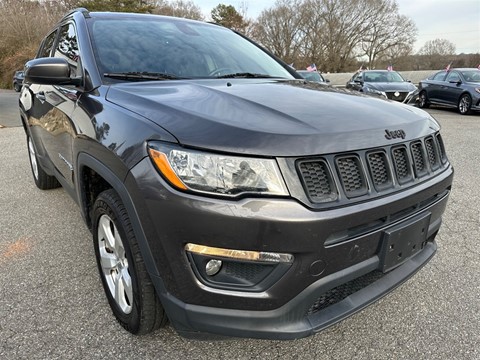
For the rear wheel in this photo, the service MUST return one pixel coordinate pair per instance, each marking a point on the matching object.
(17, 87)
(41, 178)
(423, 100)
(465, 104)
(127, 285)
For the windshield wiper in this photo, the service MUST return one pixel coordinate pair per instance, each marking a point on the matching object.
(244, 75)
(142, 76)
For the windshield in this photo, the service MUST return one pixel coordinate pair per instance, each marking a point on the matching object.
(179, 48)
(471, 75)
(311, 76)
(383, 76)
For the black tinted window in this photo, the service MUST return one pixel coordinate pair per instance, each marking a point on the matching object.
(46, 49)
(453, 76)
(67, 47)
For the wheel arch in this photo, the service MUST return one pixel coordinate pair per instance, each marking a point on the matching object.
(94, 177)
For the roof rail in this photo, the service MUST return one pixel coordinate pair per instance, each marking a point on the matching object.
(84, 11)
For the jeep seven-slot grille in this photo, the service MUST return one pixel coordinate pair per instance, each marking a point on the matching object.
(371, 172)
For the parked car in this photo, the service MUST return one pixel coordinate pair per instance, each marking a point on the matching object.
(387, 84)
(458, 88)
(17, 80)
(313, 76)
(222, 192)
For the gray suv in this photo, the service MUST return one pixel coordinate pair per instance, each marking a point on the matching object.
(223, 192)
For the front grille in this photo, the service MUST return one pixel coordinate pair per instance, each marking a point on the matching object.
(341, 292)
(372, 172)
(392, 95)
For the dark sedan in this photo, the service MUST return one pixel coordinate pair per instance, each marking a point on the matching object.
(383, 83)
(458, 88)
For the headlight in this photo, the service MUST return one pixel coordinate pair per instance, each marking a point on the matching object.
(217, 174)
(477, 90)
(368, 90)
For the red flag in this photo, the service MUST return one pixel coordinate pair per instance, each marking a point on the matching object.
(448, 67)
(390, 67)
(312, 67)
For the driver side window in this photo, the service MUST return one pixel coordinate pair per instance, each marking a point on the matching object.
(453, 77)
(67, 48)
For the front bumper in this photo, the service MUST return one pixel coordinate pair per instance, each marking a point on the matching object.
(292, 305)
(292, 320)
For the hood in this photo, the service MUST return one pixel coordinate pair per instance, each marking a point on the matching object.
(269, 118)
(391, 86)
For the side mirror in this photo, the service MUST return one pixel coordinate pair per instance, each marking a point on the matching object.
(49, 71)
(327, 80)
(458, 82)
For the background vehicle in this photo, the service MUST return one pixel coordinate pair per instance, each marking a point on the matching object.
(223, 192)
(459, 88)
(314, 76)
(384, 83)
(18, 80)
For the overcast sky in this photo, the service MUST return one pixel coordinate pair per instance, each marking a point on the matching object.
(455, 20)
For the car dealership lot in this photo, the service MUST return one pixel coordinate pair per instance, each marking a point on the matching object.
(52, 303)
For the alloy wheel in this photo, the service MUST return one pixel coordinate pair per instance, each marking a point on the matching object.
(464, 104)
(33, 158)
(114, 264)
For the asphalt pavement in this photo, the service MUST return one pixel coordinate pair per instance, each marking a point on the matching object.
(52, 304)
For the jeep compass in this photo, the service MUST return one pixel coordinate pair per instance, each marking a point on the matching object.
(223, 192)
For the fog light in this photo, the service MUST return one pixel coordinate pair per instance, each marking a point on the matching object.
(213, 267)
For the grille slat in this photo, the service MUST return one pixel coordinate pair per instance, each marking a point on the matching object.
(352, 176)
(388, 169)
(378, 164)
(432, 153)
(419, 163)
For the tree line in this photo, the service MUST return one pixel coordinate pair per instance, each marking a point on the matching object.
(336, 35)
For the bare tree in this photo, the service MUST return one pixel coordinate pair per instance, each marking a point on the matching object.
(179, 8)
(390, 34)
(280, 29)
(437, 47)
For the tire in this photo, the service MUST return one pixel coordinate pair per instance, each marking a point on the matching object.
(16, 87)
(127, 285)
(41, 178)
(465, 104)
(423, 100)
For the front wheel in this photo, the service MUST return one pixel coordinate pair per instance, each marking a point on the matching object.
(465, 104)
(127, 285)
(423, 100)
(41, 178)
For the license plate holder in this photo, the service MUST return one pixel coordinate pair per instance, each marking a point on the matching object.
(402, 241)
